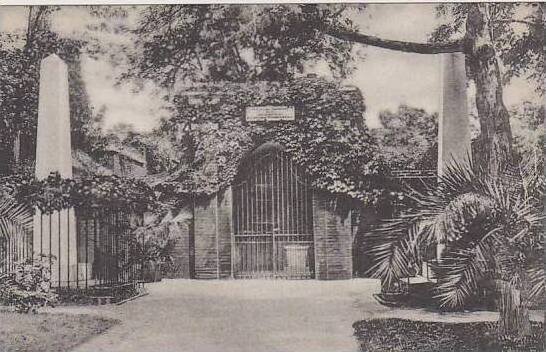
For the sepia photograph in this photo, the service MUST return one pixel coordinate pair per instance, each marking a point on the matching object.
(272, 177)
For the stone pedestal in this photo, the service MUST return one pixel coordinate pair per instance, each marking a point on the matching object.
(296, 259)
(453, 127)
(55, 234)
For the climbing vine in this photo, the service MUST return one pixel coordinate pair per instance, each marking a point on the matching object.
(328, 137)
(56, 193)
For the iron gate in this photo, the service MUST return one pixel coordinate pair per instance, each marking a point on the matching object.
(272, 220)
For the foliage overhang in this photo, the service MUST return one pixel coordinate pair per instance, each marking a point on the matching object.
(328, 137)
(56, 193)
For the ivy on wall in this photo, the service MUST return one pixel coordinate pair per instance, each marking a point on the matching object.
(328, 137)
(56, 193)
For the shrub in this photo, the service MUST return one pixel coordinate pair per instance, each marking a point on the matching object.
(403, 335)
(152, 246)
(28, 286)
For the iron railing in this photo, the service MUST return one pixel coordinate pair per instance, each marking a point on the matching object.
(84, 249)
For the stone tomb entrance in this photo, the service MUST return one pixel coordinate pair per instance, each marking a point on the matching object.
(270, 223)
(272, 219)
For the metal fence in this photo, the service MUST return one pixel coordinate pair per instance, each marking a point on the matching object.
(106, 248)
(86, 248)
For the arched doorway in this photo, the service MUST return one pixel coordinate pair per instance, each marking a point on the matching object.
(272, 218)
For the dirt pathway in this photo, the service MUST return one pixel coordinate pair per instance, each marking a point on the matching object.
(251, 316)
(240, 316)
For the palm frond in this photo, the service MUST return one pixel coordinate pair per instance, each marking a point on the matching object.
(460, 178)
(488, 224)
(15, 220)
(461, 270)
(538, 289)
(14, 217)
(466, 215)
(393, 247)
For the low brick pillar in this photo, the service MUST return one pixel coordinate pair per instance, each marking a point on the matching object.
(212, 236)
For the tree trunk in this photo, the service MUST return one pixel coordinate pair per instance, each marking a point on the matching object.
(495, 142)
(495, 149)
(513, 309)
(16, 150)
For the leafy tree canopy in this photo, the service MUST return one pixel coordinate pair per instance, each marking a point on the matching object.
(517, 31)
(238, 42)
(409, 138)
(273, 42)
(527, 122)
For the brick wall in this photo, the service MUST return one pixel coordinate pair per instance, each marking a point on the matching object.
(212, 236)
(333, 239)
(206, 266)
(332, 235)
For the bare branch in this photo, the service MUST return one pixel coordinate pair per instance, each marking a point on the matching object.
(528, 23)
(409, 47)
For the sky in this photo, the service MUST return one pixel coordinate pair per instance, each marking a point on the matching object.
(387, 78)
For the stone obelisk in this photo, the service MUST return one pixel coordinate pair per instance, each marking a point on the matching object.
(453, 127)
(55, 234)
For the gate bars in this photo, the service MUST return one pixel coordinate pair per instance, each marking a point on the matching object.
(106, 249)
(273, 220)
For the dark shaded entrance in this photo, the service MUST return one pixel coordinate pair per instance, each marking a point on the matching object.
(272, 219)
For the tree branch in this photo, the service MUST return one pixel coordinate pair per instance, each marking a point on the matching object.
(33, 27)
(338, 12)
(29, 25)
(528, 23)
(408, 47)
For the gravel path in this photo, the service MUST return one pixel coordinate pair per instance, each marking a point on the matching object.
(250, 316)
(253, 316)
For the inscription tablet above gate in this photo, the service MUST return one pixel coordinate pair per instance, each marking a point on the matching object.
(270, 113)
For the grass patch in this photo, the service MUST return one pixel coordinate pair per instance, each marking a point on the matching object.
(401, 335)
(48, 332)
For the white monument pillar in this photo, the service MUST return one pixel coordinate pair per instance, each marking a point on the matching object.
(55, 234)
(453, 127)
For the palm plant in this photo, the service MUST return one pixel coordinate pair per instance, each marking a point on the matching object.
(492, 232)
(152, 245)
(15, 220)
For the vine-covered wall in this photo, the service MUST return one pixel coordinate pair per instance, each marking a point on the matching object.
(328, 138)
(55, 193)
